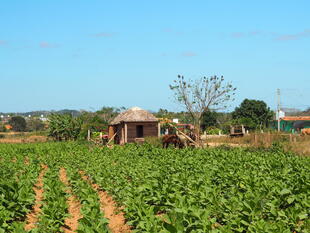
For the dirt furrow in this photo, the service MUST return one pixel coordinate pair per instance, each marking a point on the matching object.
(117, 223)
(74, 206)
(26, 161)
(33, 217)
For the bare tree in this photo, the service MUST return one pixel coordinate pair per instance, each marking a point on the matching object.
(199, 96)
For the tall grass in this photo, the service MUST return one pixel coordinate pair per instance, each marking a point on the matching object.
(290, 142)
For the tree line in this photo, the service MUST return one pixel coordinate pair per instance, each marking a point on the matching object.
(204, 102)
(21, 124)
(254, 114)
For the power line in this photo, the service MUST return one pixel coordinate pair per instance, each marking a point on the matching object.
(278, 107)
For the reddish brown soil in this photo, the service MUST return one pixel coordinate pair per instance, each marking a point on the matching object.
(162, 216)
(33, 217)
(74, 206)
(117, 223)
(26, 161)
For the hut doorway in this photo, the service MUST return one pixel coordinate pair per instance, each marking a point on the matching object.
(139, 130)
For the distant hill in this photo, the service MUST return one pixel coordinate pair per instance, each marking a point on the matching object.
(44, 113)
(296, 112)
(306, 112)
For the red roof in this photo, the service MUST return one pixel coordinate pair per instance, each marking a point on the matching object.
(296, 118)
(8, 127)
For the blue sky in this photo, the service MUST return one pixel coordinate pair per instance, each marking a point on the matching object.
(87, 54)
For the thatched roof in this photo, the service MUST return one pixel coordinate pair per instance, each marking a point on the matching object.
(134, 114)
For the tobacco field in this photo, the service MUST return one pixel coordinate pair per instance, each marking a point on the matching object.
(153, 189)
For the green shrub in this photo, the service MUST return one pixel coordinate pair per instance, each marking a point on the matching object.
(155, 141)
(213, 130)
(64, 127)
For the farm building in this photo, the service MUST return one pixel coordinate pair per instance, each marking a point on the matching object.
(292, 123)
(133, 125)
(167, 129)
(8, 127)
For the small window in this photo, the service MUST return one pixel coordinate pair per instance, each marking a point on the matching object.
(139, 131)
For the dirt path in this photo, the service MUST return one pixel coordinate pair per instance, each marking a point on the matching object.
(33, 217)
(216, 144)
(74, 206)
(117, 223)
(28, 139)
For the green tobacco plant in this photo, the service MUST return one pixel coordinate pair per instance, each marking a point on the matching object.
(90, 205)
(16, 193)
(55, 208)
(161, 190)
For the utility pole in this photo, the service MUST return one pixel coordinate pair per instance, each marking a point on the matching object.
(278, 108)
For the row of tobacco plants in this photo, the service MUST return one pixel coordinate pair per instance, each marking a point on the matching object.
(190, 190)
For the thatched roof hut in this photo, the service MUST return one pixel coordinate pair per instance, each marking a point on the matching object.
(134, 114)
(133, 125)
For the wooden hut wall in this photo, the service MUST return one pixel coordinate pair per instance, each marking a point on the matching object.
(150, 129)
(111, 131)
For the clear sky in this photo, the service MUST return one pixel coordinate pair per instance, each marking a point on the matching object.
(79, 54)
